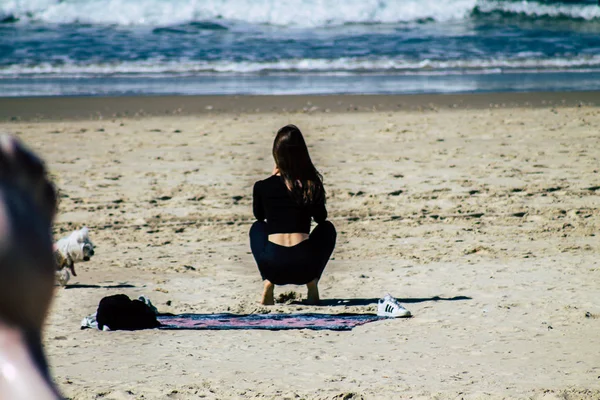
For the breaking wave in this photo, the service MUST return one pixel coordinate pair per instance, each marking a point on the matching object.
(307, 13)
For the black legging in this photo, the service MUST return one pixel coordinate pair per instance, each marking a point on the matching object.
(297, 264)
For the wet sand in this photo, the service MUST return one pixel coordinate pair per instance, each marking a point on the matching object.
(69, 108)
(483, 220)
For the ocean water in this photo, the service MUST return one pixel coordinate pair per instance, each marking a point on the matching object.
(137, 47)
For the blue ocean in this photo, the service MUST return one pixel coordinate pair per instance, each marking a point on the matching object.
(142, 47)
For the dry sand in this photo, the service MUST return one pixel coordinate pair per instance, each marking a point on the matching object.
(484, 222)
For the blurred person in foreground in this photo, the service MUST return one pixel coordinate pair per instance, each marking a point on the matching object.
(27, 272)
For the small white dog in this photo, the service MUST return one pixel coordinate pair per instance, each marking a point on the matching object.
(69, 250)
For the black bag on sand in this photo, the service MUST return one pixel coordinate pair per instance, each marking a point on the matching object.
(119, 312)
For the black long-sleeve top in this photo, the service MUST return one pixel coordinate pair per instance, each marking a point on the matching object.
(273, 201)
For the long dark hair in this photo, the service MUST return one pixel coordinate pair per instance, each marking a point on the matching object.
(296, 168)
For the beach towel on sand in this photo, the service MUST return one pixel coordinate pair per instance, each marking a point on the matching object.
(118, 312)
(334, 322)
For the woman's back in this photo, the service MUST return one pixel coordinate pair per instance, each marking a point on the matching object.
(274, 202)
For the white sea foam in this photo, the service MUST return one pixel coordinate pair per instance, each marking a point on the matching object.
(535, 9)
(306, 13)
(342, 66)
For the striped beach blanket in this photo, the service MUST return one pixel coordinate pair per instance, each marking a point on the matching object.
(334, 322)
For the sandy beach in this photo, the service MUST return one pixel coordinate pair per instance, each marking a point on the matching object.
(481, 213)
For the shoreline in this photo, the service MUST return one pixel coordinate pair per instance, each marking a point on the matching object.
(84, 108)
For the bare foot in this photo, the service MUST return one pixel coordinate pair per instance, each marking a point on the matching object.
(268, 296)
(27, 207)
(312, 297)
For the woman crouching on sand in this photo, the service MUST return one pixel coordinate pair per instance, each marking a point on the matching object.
(283, 248)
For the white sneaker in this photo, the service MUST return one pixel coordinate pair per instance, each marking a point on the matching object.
(390, 307)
